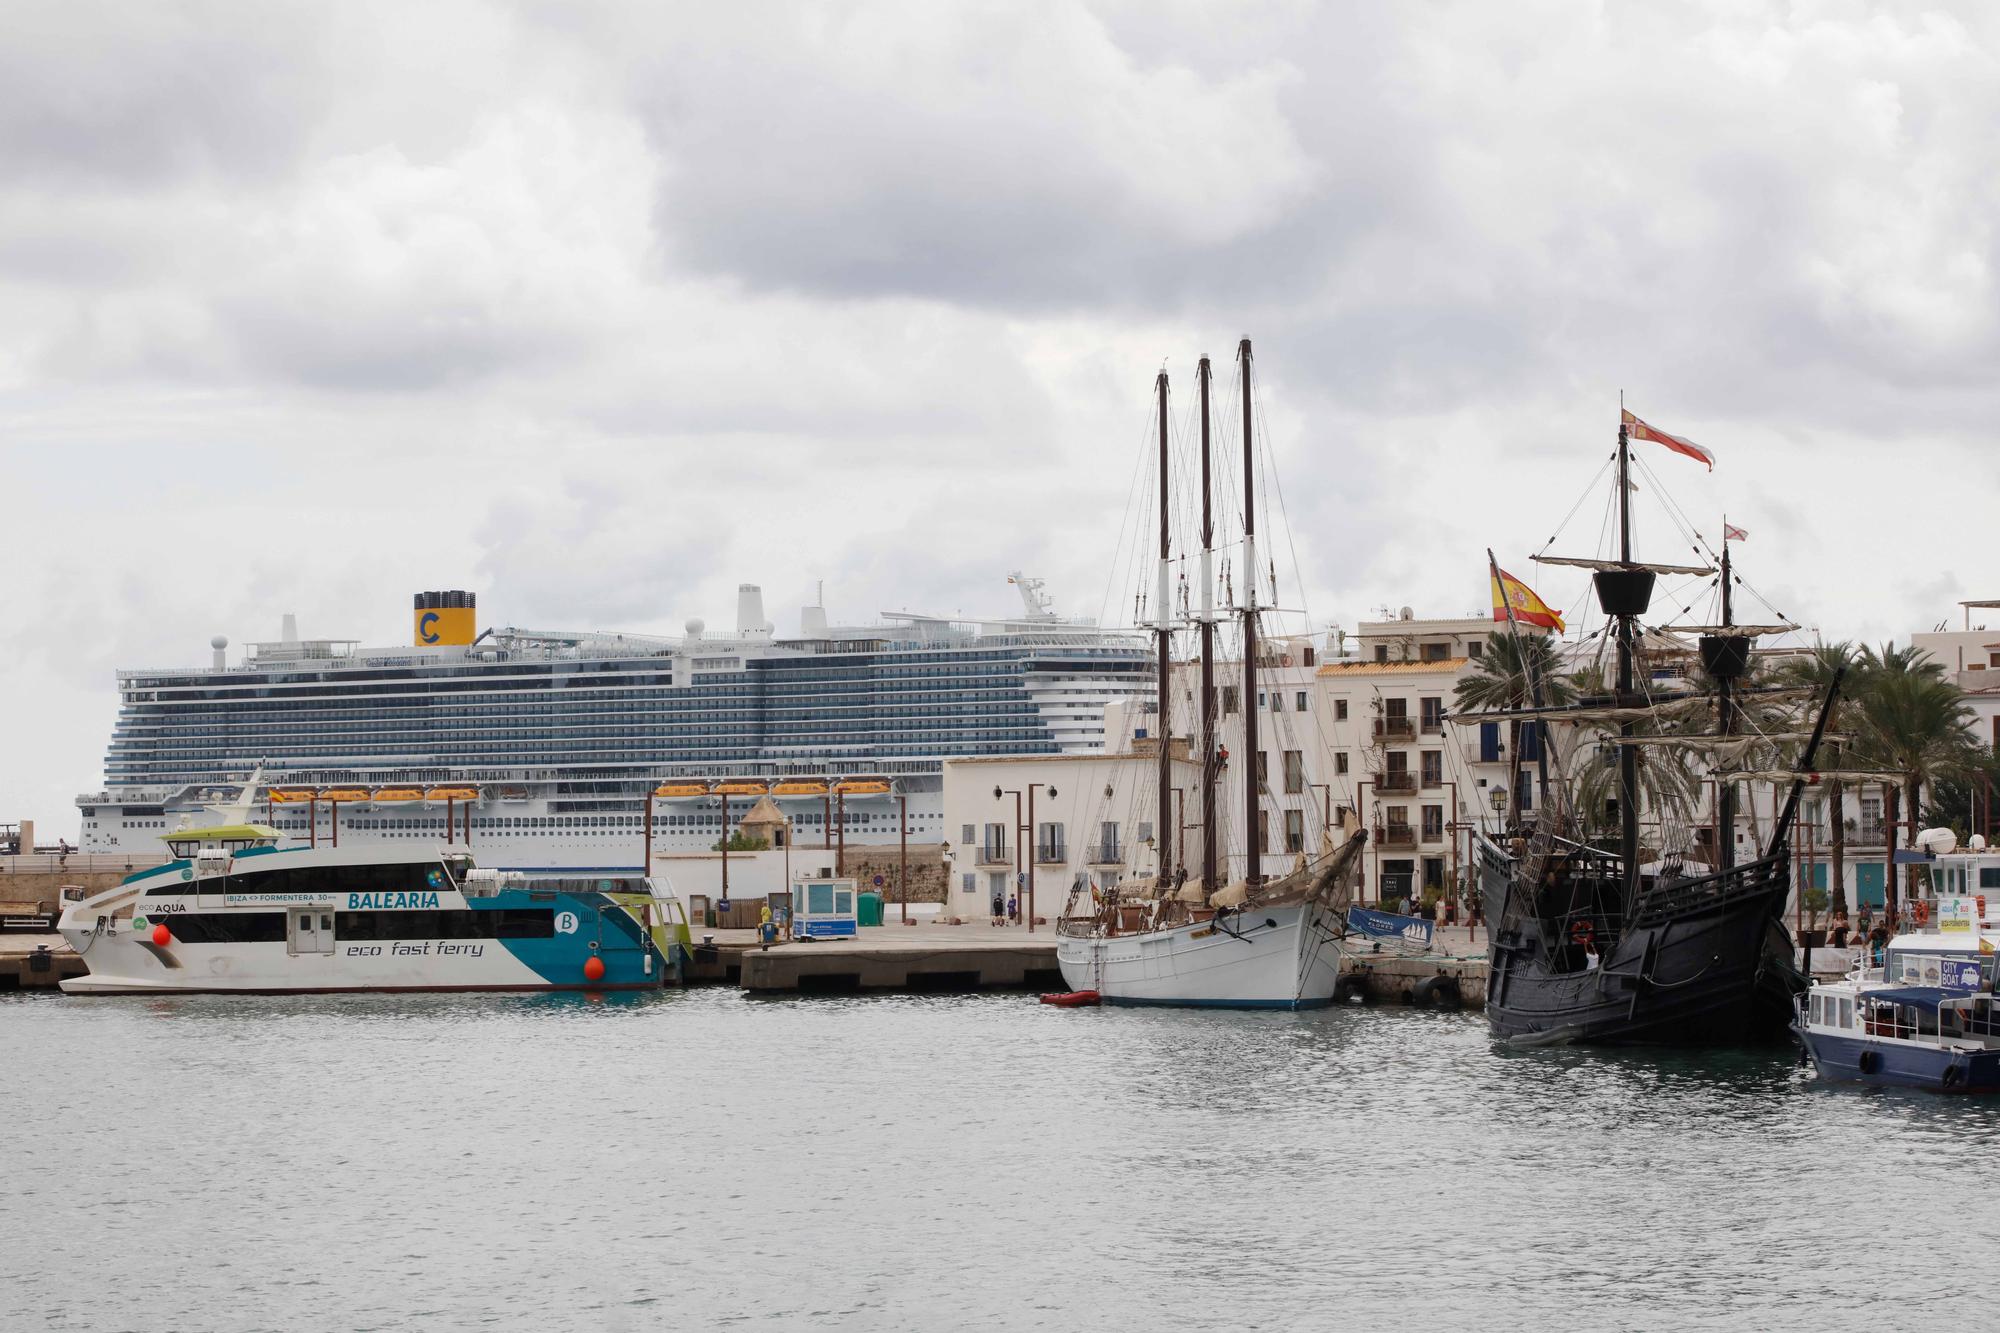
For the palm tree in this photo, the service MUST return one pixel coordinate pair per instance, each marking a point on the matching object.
(1915, 722)
(1668, 786)
(1500, 681)
(1816, 672)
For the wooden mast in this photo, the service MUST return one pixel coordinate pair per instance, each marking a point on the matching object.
(1163, 827)
(1208, 884)
(1252, 837)
(1628, 753)
(1725, 703)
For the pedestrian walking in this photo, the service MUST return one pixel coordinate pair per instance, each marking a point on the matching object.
(1013, 909)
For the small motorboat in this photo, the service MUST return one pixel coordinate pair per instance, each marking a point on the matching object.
(1071, 999)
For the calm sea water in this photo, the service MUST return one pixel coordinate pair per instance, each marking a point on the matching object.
(708, 1160)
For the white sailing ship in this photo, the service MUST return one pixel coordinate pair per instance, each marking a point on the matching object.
(1181, 937)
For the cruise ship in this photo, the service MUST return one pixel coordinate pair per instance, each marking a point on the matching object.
(577, 751)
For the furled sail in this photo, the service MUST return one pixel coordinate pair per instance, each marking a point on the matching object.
(1580, 562)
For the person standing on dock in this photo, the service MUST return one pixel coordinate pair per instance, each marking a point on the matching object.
(1013, 910)
(999, 909)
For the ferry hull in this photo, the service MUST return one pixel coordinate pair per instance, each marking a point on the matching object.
(122, 964)
(1276, 958)
(1897, 1064)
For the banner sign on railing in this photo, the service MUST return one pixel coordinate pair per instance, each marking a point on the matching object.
(1388, 926)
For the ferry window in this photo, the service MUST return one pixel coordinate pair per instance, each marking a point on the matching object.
(1846, 1013)
(1989, 877)
(227, 927)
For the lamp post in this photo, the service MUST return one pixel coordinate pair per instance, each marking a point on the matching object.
(1325, 790)
(999, 792)
(903, 852)
(1037, 856)
(947, 857)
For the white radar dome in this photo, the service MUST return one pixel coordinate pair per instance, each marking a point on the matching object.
(1937, 841)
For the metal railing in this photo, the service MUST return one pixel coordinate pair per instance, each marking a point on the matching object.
(1051, 853)
(995, 854)
(1395, 782)
(1107, 854)
(1394, 726)
(1396, 835)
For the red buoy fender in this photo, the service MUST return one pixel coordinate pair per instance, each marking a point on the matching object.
(162, 937)
(593, 968)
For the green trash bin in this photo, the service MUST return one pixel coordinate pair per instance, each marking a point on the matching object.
(871, 908)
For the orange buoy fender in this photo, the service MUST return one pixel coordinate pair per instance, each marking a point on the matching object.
(162, 936)
(593, 968)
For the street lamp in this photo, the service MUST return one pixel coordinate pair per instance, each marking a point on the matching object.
(1024, 884)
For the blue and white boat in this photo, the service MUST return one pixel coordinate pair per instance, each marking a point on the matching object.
(1927, 1018)
(235, 912)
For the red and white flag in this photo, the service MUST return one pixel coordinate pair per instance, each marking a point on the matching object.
(1678, 443)
(1734, 534)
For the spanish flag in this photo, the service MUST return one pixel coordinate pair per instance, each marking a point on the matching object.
(1528, 608)
(1680, 444)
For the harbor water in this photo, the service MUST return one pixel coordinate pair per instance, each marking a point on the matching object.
(703, 1159)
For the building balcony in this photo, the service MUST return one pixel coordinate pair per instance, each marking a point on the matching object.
(1394, 728)
(1107, 854)
(1051, 854)
(996, 855)
(1395, 782)
(1396, 835)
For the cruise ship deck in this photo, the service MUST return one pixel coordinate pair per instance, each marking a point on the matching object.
(560, 737)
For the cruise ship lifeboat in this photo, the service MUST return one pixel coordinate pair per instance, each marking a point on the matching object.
(799, 789)
(290, 795)
(397, 795)
(344, 794)
(452, 794)
(741, 787)
(669, 791)
(861, 787)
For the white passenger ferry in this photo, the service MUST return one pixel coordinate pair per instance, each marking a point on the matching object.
(1928, 1016)
(235, 912)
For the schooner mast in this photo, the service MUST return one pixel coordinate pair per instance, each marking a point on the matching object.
(1162, 829)
(1253, 836)
(1208, 811)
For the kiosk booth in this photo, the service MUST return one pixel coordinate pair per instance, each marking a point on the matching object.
(824, 909)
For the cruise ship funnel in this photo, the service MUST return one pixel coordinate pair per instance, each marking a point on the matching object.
(445, 618)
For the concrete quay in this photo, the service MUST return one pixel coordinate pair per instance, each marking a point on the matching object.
(921, 957)
(24, 965)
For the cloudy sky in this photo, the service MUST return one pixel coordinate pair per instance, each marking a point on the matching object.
(600, 309)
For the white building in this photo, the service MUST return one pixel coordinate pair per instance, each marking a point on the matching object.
(1420, 784)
